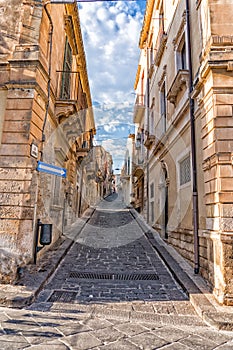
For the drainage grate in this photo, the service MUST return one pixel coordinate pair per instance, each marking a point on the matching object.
(115, 276)
(62, 296)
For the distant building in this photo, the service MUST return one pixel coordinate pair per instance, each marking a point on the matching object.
(98, 175)
(126, 172)
(183, 148)
(45, 115)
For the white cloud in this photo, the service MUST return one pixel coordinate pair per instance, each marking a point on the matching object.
(111, 34)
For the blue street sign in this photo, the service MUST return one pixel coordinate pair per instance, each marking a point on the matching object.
(51, 169)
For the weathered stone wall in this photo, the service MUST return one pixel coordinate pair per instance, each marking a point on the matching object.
(19, 51)
(10, 23)
(32, 47)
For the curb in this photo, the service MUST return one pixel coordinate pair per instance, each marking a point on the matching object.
(202, 305)
(34, 277)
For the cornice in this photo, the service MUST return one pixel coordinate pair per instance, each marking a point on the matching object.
(146, 22)
(137, 77)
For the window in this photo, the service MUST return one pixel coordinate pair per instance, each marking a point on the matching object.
(152, 123)
(161, 17)
(163, 110)
(128, 166)
(181, 55)
(185, 171)
(151, 55)
(152, 191)
(152, 212)
(66, 73)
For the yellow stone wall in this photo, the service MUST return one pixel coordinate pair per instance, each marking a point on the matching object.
(28, 103)
(212, 56)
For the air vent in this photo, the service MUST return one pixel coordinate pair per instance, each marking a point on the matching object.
(115, 276)
(62, 296)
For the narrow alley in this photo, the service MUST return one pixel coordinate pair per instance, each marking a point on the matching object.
(112, 261)
(111, 291)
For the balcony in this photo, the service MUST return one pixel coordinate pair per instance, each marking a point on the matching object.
(139, 108)
(83, 151)
(66, 91)
(181, 81)
(150, 140)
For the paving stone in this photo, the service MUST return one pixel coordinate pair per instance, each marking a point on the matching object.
(13, 345)
(49, 346)
(164, 307)
(227, 346)
(40, 334)
(120, 345)
(145, 317)
(96, 323)
(81, 341)
(198, 343)
(73, 328)
(14, 325)
(144, 308)
(148, 341)
(176, 346)
(107, 335)
(217, 337)
(130, 329)
(171, 334)
(114, 313)
(184, 308)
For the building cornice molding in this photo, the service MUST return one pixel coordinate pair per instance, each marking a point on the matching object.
(137, 76)
(180, 31)
(146, 22)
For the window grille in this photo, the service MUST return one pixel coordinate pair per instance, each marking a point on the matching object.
(185, 171)
(66, 74)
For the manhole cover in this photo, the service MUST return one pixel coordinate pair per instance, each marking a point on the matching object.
(115, 276)
(62, 296)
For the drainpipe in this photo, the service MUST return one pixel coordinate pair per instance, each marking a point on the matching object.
(193, 145)
(43, 127)
(49, 74)
(148, 132)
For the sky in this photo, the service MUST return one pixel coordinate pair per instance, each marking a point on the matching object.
(111, 33)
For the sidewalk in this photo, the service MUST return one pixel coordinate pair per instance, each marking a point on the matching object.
(35, 276)
(206, 306)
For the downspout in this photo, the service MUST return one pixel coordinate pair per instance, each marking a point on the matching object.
(148, 133)
(49, 75)
(193, 145)
(43, 129)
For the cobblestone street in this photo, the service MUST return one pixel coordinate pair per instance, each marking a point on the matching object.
(111, 291)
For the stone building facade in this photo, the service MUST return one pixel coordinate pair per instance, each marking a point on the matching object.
(45, 115)
(126, 172)
(98, 175)
(183, 111)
